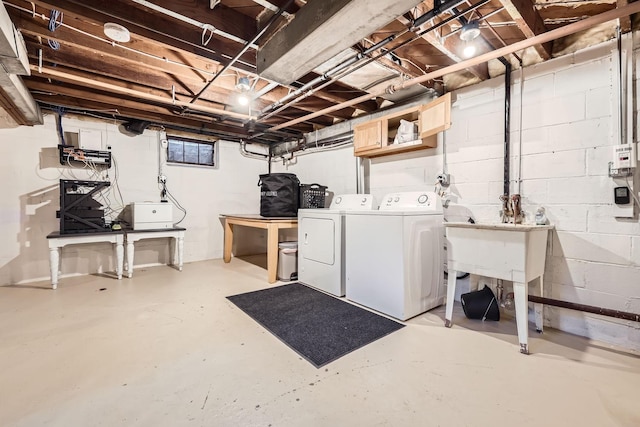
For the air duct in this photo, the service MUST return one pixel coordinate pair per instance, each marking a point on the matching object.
(15, 98)
(13, 52)
(320, 31)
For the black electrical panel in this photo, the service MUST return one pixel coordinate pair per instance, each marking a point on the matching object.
(79, 211)
(74, 155)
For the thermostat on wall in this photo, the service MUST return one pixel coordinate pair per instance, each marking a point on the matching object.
(621, 195)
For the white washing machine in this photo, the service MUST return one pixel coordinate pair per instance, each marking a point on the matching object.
(321, 242)
(395, 255)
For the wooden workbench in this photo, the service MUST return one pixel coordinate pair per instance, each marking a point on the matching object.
(273, 227)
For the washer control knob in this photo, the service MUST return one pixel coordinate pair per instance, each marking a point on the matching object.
(390, 199)
(397, 199)
(364, 200)
(422, 199)
(338, 200)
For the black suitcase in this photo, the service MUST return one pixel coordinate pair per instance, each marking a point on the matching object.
(279, 194)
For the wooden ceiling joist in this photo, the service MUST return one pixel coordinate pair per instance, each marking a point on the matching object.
(451, 47)
(530, 23)
(174, 34)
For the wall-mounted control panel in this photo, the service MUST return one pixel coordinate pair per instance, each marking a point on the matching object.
(623, 161)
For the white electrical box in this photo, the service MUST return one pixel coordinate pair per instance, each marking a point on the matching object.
(151, 215)
(624, 156)
(89, 139)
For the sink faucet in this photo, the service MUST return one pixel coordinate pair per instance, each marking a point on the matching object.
(516, 209)
(512, 212)
(506, 209)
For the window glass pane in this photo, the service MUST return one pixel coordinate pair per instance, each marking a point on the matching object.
(191, 152)
(175, 151)
(206, 154)
(186, 151)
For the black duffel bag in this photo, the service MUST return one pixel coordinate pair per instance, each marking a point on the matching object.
(279, 194)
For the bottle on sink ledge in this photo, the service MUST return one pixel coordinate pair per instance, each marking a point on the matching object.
(541, 216)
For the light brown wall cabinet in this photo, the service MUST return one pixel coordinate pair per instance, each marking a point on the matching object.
(376, 137)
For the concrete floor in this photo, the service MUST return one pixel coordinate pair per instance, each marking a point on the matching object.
(167, 349)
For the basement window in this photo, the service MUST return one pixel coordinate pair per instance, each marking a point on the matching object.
(191, 152)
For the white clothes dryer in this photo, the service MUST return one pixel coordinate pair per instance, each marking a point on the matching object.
(395, 255)
(321, 257)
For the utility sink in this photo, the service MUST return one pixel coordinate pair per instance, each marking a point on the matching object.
(514, 252)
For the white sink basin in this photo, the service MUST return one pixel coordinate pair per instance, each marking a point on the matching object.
(504, 251)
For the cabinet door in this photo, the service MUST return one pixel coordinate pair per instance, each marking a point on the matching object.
(435, 116)
(368, 136)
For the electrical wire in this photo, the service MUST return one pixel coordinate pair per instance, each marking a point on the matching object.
(60, 111)
(55, 21)
(635, 198)
(176, 203)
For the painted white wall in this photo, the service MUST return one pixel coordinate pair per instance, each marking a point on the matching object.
(31, 171)
(335, 169)
(570, 123)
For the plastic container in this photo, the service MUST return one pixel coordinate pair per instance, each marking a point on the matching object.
(480, 304)
(288, 261)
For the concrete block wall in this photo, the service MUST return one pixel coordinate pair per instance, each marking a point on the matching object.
(569, 126)
(31, 171)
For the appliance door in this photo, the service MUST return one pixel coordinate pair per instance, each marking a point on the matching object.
(318, 238)
(320, 253)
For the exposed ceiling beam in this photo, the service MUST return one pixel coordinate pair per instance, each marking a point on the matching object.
(174, 34)
(450, 46)
(530, 23)
(53, 73)
(551, 35)
(625, 21)
(338, 92)
(221, 17)
(72, 97)
(321, 30)
(276, 4)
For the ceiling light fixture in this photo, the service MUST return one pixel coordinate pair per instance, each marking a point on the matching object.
(469, 50)
(243, 99)
(116, 32)
(243, 84)
(470, 31)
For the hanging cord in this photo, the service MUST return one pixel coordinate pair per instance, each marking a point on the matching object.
(211, 29)
(55, 21)
(166, 191)
(635, 198)
(60, 112)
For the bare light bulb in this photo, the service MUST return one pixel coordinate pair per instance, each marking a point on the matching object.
(243, 99)
(469, 51)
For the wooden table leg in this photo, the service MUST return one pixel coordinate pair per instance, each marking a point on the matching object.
(272, 252)
(228, 240)
(520, 297)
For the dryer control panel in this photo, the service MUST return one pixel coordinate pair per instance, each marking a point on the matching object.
(354, 202)
(412, 200)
